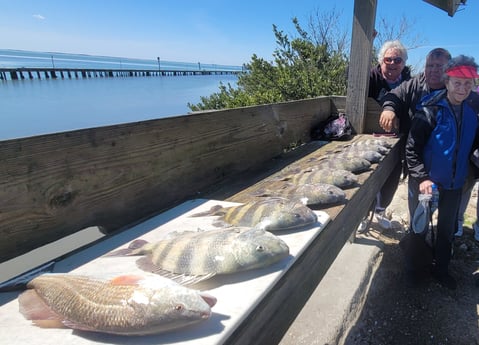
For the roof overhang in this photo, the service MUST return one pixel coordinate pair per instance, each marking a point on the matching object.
(450, 6)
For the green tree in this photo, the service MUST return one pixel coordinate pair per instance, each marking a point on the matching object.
(313, 63)
(309, 65)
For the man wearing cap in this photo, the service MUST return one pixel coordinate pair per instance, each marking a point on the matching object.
(443, 133)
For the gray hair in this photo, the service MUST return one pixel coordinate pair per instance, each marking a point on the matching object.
(460, 60)
(396, 44)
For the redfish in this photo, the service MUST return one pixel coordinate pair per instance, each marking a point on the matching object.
(125, 305)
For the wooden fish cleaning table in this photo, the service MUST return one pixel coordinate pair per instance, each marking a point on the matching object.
(253, 307)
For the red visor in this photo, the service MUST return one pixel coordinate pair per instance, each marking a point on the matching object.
(462, 72)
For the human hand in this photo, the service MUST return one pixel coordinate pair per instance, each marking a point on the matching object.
(425, 187)
(387, 120)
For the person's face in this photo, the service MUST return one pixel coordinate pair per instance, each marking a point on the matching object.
(458, 89)
(434, 71)
(392, 64)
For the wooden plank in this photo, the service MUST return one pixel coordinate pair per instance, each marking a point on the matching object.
(111, 177)
(360, 62)
(371, 119)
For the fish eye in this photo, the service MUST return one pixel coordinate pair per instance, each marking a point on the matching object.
(260, 248)
(179, 307)
(297, 215)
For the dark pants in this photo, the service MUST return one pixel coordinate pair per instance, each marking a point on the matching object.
(448, 210)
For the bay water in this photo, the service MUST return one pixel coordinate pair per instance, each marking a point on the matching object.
(33, 107)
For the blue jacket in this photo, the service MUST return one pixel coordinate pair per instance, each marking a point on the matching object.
(438, 147)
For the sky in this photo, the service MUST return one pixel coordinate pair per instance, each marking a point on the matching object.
(211, 31)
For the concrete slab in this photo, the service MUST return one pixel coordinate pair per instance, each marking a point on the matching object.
(337, 301)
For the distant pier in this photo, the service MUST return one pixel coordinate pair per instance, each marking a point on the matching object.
(85, 73)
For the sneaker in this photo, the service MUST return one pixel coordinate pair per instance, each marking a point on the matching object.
(459, 231)
(363, 226)
(382, 220)
(476, 231)
(445, 279)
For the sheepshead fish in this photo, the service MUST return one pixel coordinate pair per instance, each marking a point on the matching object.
(271, 214)
(369, 155)
(367, 145)
(354, 164)
(190, 257)
(374, 141)
(312, 195)
(124, 305)
(337, 177)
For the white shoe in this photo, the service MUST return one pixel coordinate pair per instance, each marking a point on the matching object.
(476, 231)
(459, 231)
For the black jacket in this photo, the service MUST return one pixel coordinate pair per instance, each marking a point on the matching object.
(378, 86)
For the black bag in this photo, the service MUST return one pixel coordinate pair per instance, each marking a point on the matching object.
(335, 127)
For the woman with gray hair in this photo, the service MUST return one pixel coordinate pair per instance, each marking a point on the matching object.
(444, 132)
(391, 70)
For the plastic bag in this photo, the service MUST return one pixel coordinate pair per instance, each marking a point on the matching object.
(335, 127)
(422, 215)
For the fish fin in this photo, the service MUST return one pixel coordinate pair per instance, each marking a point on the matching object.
(261, 193)
(127, 279)
(134, 248)
(49, 323)
(216, 210)
(147, 265)
(186, 280)
(34, 308)
(137, 244)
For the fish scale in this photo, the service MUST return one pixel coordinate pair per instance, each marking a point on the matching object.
(271, 214)
(189, 257)
(337, 177)
(127, 305)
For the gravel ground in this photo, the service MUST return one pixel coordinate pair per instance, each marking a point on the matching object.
(396, 312)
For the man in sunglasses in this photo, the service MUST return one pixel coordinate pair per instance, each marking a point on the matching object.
(391, 70)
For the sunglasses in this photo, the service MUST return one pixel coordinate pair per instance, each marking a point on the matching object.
(390, 60)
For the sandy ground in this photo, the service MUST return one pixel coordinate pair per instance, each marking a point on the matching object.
(396, 312)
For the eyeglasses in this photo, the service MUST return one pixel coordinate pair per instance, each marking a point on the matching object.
(390, 60)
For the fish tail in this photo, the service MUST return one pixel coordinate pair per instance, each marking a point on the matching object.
(32, 307)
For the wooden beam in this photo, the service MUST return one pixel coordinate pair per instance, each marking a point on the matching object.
(360, 61)
(54, 185)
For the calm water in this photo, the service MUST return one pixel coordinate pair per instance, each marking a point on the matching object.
(34, 107)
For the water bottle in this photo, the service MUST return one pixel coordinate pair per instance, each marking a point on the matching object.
(434, 198)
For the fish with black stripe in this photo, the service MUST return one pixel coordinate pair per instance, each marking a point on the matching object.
(192, 256)
(271, 214)
(315, 195)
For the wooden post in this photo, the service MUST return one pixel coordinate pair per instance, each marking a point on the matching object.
(360, 62)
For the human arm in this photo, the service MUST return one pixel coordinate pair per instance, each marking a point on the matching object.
(416, 141)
